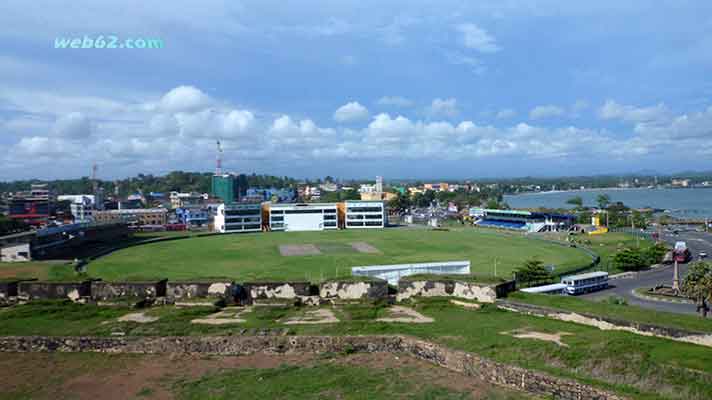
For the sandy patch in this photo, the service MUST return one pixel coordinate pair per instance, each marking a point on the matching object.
(465, 304)
(547, 337)
(320, 316)
(405, 315)
(139, 317)
(288, 250)
(363, 247)
(229, 315)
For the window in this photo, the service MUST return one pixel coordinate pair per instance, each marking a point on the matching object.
(277, 211)
(329, 217)
(278, 218)
(278, 225)
(365, 209)
(303, 211)
(351, 223)
(330, 224)
(330, 211)
(242, 212)
(373, 223)
(374, 216)
(355, 216)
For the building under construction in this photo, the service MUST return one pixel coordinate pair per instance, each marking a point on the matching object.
(34, 207)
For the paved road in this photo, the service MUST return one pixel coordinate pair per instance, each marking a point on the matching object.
(696, 241)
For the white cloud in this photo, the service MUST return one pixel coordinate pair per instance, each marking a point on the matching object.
(476, 38)
(351, 112)
(695, 126)
(614, 110)
(394, 101)
(547, 111)
(184, 98)
(475, 64)
(506, 113)
(74, 126)
(153, 139)
(443, 108)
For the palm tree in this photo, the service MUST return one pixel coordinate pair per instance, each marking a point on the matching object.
(698, 285)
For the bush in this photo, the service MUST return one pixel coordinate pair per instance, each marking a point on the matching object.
(616, 300)
(630, 259)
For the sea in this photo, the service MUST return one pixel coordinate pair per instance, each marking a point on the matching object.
(692, 203)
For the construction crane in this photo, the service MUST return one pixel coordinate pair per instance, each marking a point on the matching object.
(94, 183)
(218, 161)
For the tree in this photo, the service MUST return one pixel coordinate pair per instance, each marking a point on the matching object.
(629, 259)
(603, 200)
(697, 285)
(655, 254)
(533, 271)
(401, 203)
(576, 201)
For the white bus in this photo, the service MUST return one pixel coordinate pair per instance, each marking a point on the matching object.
(585, 283)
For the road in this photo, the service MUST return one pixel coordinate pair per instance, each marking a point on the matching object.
(696, 241)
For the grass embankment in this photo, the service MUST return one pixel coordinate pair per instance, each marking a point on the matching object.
(257, 256)
(605, 245)
(625, 312)
(330, 376)
(637, 366)
(43, 270)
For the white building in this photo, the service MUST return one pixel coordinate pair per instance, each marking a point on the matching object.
(365, 214)
(81, 206)
(185, 199)
(77, 198)
(366, 188)
(303, 217)
(82, 212)
(238, 218)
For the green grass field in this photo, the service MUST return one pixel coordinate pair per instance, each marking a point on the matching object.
(606, 245)
(257, 256)
(638, 367)
(625, 312)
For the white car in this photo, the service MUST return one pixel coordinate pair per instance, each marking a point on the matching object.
(703, 254)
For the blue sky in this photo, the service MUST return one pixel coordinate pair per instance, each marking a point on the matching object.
(403, 89)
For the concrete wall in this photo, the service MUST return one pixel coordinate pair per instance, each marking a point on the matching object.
(468, 364)
(249, 292)
(608, 323)
(17, 252)
(54, 290)
(446, 288)
(101, 290)
(190, 290)
(277, 290)
(372, 290)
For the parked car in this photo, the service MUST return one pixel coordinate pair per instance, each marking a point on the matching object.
(703, 254)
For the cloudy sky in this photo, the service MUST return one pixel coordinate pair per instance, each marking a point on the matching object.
(403, 89)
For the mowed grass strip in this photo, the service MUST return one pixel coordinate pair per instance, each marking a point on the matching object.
(256, 256)
(618, 311)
